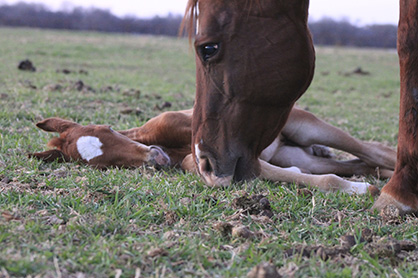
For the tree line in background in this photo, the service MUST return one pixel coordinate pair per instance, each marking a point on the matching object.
(325, 31)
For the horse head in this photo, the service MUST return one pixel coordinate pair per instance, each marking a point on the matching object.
(254, 59)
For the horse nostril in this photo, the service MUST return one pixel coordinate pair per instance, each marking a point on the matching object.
(205, 165)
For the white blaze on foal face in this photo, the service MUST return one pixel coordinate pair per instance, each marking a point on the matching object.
(89, 147)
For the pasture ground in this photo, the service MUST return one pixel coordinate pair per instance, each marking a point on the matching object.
(69, 220)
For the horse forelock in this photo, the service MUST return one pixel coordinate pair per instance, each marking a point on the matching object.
(189, 22)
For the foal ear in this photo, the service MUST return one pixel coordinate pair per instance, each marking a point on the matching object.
(55, 125)
(50, 156)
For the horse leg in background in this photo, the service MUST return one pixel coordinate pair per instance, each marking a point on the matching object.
(305, 129)
(402, 189)
(308, 162)
(325, 183)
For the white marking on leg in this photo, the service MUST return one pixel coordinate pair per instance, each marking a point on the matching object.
(89, 147)
(293, 169)
(357, 188)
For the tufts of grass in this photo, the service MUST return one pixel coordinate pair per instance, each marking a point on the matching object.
(70, 220)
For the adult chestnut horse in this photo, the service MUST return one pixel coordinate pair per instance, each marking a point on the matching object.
(402, 189)
(254, 59)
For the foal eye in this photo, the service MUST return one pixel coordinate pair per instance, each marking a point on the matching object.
(209, 50)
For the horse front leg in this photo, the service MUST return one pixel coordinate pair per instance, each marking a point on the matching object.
(402, 189)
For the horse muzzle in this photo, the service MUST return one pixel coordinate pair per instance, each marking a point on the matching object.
(222, 172)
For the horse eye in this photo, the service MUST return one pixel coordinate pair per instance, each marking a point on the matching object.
(209, 50)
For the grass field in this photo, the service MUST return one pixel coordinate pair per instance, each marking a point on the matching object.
(69, 220)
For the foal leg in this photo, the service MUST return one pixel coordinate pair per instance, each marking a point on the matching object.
(287, 156)
(305, 129)
(325, 183)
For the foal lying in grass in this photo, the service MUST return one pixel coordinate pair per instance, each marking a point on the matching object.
(301, 147)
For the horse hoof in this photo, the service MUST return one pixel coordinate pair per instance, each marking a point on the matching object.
(385, 200)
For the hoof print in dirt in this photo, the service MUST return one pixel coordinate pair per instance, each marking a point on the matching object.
(254, 205)
(264, 270)
(26, 65)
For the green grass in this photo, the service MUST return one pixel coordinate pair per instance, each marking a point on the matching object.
(64, 220)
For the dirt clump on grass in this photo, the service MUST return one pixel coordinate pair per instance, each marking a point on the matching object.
(68, 71)
(242, 232)
(135, 111)
(53, 88)
(375, 246)
(81, 87)
(357, 71)
(253, 205)
(264, 270)
(170, 217)
(256, 206)
(26, 65)
(321, 251)
(224, 228)
(235, 229)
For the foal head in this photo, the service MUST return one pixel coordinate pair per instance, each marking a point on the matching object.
(254, 59)
(97, 145)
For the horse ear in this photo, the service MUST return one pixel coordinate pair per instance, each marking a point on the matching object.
(304, 7)
(55, 125)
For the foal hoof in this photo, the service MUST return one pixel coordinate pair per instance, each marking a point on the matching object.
(373, 190)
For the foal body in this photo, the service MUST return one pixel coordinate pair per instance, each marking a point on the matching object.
(300, 146)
